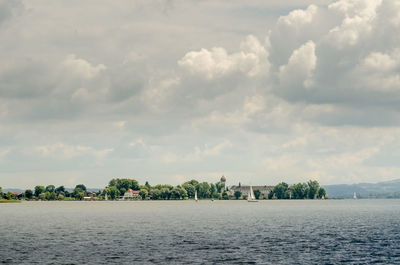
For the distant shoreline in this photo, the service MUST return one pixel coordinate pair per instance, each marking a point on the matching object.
(191, 200)
(9, 201)
(131, 189)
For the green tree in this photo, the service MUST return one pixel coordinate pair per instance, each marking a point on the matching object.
(1, 193)
(299, 191)
(225, 196)
(219, 185)
(183, 193)
(288, 193)
(8, 196)
(237, 194)
(81, 186)
(39, 190)
(313, 187)
(162, 186)
(165, 193)
(143, 193)
(178, 193)
(125, 184)
(50, 188)
(213, 191)
(175, 193)
(193, 182)
(60, 189)
(190, 189)
(257, 194)
(203, 190)
(42, 196)
(79, 195)
(52, 196)
(28, 194)
(280, 190)
(113, 192)
(60, 197)
(155, 194)
(148, 186)
(321, 193)
(271, 195)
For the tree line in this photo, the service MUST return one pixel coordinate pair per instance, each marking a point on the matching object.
(117, 187)
(309, 190)
(51, 193)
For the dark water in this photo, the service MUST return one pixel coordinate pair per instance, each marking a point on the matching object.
(185, 232)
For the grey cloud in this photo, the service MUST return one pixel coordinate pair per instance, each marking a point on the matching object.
(341, 47)
(9, 9)
(25, 78)
(92, 89)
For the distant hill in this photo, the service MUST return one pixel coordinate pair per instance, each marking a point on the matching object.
(12, 190)
(386, 189)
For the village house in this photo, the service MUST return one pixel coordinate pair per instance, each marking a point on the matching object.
(265, 190)
(15, 195)
(131, 195)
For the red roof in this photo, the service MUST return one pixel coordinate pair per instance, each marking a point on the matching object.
(14, 193)
(133, 191)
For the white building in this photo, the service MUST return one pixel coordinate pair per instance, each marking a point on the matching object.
(131, 194)
(265, 190)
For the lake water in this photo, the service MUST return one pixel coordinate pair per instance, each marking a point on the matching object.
(186, 232)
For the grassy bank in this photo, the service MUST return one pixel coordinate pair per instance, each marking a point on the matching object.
(9, 201)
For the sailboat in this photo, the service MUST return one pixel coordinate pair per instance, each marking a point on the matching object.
(251, 197)
(355, 196)
(195, 195)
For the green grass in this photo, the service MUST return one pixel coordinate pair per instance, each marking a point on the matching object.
(8, 201)
(68, 199)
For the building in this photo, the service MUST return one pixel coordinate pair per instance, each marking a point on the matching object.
(223, 181)
(15, 195)
(265, 190)
(131, 195)
(91, 196)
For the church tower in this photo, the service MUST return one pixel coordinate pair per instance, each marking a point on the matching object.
(223, 181)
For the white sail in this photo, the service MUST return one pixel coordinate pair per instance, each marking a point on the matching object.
(252, 193)
(251, 197)
(195, 195)
(355, 196)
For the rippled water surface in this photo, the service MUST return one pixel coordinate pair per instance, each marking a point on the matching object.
(186, 232)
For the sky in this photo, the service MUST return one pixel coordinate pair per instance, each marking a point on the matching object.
(169, 90)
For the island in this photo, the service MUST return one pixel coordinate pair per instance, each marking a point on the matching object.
(130, 189)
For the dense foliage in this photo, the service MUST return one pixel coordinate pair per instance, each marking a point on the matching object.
(309, 190)
(117, 188)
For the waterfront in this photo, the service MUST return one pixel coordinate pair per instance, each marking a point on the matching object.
(186, 232)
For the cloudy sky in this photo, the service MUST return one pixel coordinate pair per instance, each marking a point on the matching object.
(166, 91)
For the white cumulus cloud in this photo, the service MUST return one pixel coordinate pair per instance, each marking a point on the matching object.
(217, 62)
(81, 67)
(299, 69)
